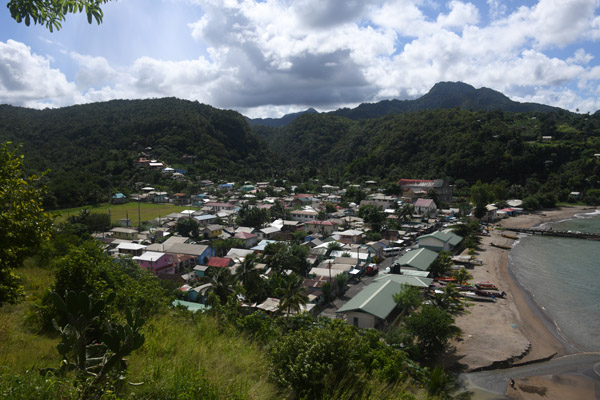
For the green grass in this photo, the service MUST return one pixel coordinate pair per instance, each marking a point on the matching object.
(179, 349)
(148, 211)
(21, 347)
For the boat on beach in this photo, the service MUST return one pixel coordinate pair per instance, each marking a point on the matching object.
(473, 296)
(506, 235)
(486, 286)
(500, 246)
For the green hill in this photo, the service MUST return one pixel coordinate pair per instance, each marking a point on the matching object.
(90, 150)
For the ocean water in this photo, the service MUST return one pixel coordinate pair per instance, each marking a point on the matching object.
(563, 277)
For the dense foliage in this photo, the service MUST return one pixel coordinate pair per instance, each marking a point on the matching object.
(23, 223)
(500, 148)
(90, 150)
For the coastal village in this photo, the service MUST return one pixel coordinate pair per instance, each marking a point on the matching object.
(365, 267)
(357, 256)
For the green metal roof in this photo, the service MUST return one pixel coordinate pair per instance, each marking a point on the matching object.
(419, 259)
(444, 236)
(412, 280)
(378, 298)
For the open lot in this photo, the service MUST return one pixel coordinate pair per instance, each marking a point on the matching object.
(148, 211)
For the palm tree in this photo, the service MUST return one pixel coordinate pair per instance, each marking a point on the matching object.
(461, 276)
(293, 295)
(222, 283)
(250, 278)
(331, 247)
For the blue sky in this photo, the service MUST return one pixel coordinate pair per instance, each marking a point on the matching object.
(268, 58)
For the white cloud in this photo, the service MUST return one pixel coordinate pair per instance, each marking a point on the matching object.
(27, 79)
(283, 55)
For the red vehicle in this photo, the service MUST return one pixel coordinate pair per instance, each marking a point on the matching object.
(372, 269)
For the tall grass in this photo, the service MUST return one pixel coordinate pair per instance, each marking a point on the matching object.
(182, 352)
(21, 346)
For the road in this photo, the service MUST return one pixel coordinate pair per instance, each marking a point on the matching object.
(496, 381)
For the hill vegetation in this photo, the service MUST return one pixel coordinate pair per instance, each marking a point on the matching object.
(90, 150)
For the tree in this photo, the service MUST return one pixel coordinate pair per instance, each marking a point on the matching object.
(372, 216)
(52, 12)
(222, 283)
(293, 295)
(23, 223)
(432, 328)
(188, 227)
(441, 265)
(408, 299)
(250, 278)
(461, 276)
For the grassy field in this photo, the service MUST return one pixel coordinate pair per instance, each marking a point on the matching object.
(183, 357)
(148, 211)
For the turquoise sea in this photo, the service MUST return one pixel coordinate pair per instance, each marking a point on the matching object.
(563, 277)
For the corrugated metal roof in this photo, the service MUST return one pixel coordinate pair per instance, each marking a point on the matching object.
(376, 299)
(420, 259)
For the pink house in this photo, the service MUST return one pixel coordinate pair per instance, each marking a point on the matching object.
(156, 262)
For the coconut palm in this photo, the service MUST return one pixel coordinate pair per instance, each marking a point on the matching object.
(293, 295)
(250, 278)
(222, 283)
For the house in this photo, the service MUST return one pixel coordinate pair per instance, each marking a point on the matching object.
(420, 259)
(260, 247)
(322, 227)
(441, 187)
(491, 213)
(219, 262)
(124, 233)
(304, 215)
(349, 236)
(239, 254)
(156, 262)
(213, 231)
(130, 249)
(425, 207)
(206, 219)
(158, 197)
(119, 198)
(249, 239)
(374, 305)
(180, 199)
(380, 201)
(218, 206)
(268, 232)
(440, 241)
(200, 252)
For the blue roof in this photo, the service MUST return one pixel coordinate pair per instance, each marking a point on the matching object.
(119, 196)
(191, 306)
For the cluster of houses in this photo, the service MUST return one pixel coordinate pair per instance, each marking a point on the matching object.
(413, 246)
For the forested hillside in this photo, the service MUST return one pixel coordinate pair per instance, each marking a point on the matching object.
(453, 143)
(90, 150)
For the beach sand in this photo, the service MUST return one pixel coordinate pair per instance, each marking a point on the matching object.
(512, 330)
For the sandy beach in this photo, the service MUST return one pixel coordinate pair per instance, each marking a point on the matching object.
(513, 330)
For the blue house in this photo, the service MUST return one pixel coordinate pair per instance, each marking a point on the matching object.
(119, 198)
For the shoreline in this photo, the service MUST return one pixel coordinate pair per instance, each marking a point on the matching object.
(516, 330)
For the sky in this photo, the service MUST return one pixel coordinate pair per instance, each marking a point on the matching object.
(272, 57)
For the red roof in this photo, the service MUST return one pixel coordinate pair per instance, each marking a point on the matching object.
(404, 182)
(220, 262)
